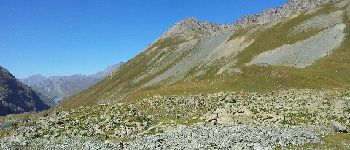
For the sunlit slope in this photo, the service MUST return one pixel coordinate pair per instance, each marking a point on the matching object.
(309, 49)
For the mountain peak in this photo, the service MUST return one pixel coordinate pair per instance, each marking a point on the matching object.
(16, 97)
(188, 21)
(59, 87)
(191, 25)
(4, 70)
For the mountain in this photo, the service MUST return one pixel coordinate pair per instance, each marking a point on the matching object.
(16, 97)
(60, 87)
(275, 80)
(302, 44)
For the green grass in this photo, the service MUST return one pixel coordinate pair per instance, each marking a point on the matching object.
(4, 133)
(276, 36)
(170, 42)
(331, 72)
(121, 83)
(240, 32)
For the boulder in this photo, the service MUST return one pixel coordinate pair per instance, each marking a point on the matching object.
(337, 127)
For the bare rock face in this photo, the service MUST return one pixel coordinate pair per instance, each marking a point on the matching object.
(16, 97)
(293, 7)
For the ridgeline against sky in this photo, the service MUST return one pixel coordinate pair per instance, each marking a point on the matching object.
(67, 37)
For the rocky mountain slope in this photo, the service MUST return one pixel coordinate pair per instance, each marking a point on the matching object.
(16, 97)
(60, 87)
(276, 80)
(302, 44)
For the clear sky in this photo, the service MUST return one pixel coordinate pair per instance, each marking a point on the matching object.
(64, 37)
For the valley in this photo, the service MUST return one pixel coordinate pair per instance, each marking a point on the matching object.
(275, 80)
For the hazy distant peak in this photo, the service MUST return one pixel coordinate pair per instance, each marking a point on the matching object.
(107, 71)
(58, 87)
(37, 76)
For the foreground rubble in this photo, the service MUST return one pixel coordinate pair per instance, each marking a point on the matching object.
(222, 120)
(227, 137)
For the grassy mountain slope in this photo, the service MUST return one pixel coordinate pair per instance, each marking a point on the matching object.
(207, 62)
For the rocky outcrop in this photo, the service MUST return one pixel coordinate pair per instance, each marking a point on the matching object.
(16, 97)
(293, 7)
(337, 127)
(192, 26)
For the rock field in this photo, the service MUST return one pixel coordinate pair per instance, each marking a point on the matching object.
(222, 120)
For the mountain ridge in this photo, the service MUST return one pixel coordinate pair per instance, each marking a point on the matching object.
(60, 87)
(292, 7)
(274, 83)
(199, 57)
(16, 97)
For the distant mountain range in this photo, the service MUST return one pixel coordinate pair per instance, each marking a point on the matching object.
(59, 87)
(16, 97)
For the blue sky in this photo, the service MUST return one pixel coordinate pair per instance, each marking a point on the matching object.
(64, 37)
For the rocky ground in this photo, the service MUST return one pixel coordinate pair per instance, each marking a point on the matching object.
(64, 143)
(212, 121)
(226, 137)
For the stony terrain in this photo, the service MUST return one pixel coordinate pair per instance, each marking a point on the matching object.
(63, 143)
(278, 79)
(304, 53)
(318, 22)
(278, 118)
(226, 137)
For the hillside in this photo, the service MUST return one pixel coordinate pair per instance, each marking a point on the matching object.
(275, 80)
(302, 44)
(59, 87)
(16, 97)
